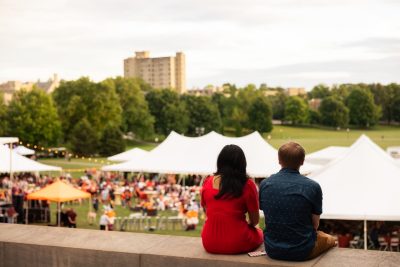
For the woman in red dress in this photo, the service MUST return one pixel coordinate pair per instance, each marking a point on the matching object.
(227, 197)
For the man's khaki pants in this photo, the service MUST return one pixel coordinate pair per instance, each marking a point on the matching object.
(323, 243)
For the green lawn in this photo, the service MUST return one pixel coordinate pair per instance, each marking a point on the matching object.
(82, 210)
(313, 139)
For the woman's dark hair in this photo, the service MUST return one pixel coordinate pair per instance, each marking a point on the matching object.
(231, 166)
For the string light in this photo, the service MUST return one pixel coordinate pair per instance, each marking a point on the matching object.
(63, 153)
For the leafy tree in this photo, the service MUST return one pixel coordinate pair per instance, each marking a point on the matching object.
(33, 117)
(296, 110)
(396, 109)
(363, 111)
(314, 117)
(219, 100)
(385, 96)
(98, 103)
(202, 113)
(168, 110)
(319, 91)
(111, 142)
(260, 115)
(3, 116)
(84, 138)
(278, 102)
(342, 91)
(136, 115)
(334, 112)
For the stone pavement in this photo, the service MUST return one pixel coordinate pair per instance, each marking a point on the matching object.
(34, 246)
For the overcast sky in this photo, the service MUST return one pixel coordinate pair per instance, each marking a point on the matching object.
(278, 42)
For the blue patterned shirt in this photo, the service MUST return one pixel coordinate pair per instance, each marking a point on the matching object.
(288, 200)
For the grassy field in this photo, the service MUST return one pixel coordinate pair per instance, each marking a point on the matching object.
(82, 210)
(313, 139)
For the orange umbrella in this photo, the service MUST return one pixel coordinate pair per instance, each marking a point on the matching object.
(58, 192)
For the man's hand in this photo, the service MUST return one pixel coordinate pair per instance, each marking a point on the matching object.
(315, 221)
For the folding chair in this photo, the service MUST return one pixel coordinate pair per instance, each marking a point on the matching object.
(394, 244)
(383, 244)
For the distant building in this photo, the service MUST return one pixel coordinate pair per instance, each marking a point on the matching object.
(159, 72)
(206, 91)
(315, 103)
(296, 91)
(270, 92)
(10, 87)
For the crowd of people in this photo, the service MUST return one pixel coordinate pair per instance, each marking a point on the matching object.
(231, 200)
(145, 194)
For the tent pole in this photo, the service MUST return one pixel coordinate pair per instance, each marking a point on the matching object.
(27, 212)
(59, 213)
(365, 235)
(90, 203)
(11, 171)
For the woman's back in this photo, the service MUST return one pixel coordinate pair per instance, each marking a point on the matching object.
(226, 230)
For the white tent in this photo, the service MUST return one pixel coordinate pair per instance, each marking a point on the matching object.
(186, 155)
(131, 154)
(7, 140)
(363, 184)
(324, 156)
(394, 151)
(24, 151)
(20, 163)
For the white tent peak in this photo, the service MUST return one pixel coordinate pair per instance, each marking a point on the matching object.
(198, 155)
(24, 151)
(128, 155)
(362, 184)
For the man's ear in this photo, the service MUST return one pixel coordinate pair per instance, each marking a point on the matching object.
(302, 162)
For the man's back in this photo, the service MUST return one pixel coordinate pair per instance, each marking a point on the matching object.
(288, 200)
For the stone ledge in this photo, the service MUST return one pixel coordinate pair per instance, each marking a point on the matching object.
(22, 245)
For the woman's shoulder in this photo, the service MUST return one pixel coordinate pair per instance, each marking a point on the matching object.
(250, 184)
(207, 180)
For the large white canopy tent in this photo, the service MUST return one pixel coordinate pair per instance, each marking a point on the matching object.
(363, 184)
(8, 140)
(325, 155)
(131, 154)
(24, 151)
(198, 155)
(10, 162)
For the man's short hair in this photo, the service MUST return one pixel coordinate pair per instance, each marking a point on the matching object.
(291, 155)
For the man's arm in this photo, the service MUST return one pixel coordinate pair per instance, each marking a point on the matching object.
(254, 218)
(315, 221)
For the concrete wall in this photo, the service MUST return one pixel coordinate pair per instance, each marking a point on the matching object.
(36, 246)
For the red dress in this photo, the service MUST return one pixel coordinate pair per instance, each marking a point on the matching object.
(226, 230)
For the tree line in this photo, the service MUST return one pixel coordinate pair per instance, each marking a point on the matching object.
(91, 118)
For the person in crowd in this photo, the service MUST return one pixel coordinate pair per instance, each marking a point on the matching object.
(71, 218)
(63, 218)
(111, 218)
(95, 203)
(292, 205)
(227, 197)
(104, 221)
(11, 215)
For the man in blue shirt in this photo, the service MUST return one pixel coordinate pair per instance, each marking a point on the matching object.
(292, 205)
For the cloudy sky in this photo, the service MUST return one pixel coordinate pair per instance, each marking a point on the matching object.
(278, 42)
